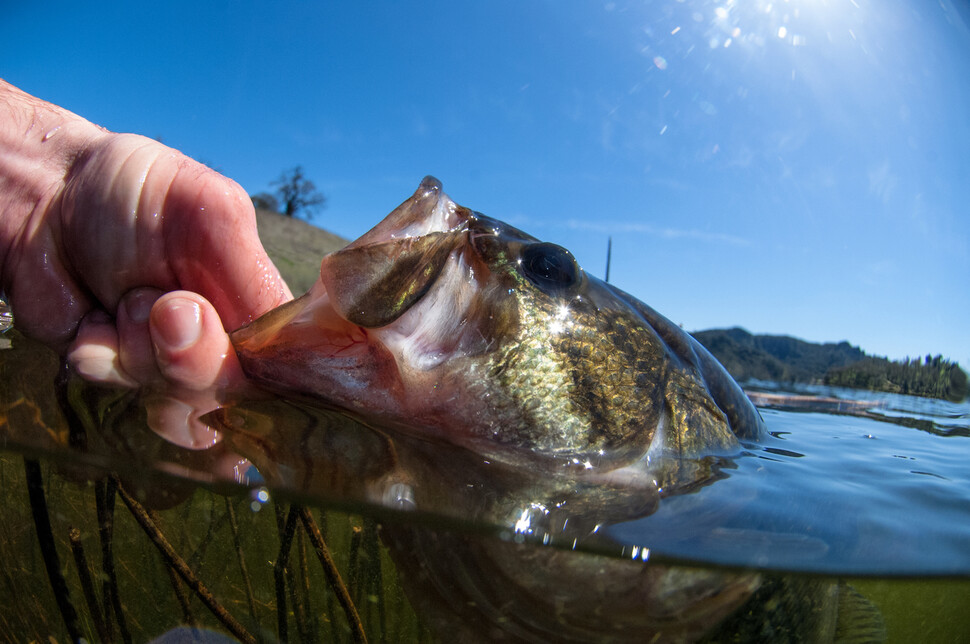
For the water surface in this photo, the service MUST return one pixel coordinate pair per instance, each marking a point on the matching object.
(883, 490)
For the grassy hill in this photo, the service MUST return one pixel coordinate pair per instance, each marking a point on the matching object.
(295, 247)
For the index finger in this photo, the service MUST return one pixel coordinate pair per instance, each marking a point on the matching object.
(213, 246)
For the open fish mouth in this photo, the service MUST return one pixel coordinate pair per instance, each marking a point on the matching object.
(358, 329)
(427, 211)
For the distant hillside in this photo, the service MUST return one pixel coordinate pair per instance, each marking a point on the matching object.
(780, 358)
(935, 377)
(295, 247)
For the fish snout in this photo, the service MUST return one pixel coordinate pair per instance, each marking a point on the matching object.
(426, 211)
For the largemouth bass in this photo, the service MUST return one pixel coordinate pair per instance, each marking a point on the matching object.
(444, 322)
(489, 359)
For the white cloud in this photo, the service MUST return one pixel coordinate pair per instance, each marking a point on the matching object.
(882, 182)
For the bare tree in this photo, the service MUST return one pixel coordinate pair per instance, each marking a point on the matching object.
(297, 194)
(265, 201)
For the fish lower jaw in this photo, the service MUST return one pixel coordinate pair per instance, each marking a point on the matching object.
(428, 210)
(444, 217)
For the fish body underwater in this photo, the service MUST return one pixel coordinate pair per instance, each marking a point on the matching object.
(447, 327)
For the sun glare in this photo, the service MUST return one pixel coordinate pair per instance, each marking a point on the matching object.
(561, 320)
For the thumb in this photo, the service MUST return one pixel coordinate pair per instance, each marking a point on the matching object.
(191, 346)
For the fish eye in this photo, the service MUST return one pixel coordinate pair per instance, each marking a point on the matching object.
(550, 267)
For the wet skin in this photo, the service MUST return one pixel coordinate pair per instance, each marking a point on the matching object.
(96, 226)
(126, 256)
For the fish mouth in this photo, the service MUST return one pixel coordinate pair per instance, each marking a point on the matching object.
(343, 334)
(428, 210)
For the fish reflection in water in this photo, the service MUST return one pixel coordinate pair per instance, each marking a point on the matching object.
(492, 380)
(468, 555)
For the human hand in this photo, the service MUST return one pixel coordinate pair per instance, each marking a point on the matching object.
(123, 254)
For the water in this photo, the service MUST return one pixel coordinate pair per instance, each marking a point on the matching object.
(878, 497)
(884, 490)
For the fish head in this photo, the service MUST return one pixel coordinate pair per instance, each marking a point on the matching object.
(450, 324)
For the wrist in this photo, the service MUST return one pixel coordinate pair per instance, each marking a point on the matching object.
(40, 143)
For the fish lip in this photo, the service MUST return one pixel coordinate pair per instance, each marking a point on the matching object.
(446, 215)
(275, 330)
(427, 210)
(276, 319)
(430, 184)
(433, 219)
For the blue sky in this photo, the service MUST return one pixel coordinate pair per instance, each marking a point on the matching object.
(797, 167)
